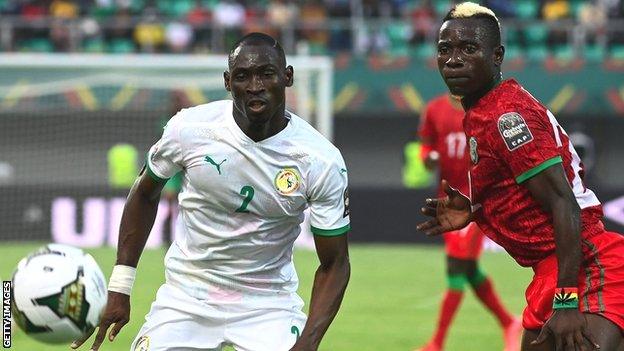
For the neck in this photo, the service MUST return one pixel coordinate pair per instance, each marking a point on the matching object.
(260, 131)
(470, 100)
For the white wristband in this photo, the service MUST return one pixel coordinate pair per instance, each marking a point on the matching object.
(122, 279)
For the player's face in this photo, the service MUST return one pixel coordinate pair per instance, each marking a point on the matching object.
(466, 60)
(257, 80)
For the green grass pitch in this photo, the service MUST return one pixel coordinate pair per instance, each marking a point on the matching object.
(391, 302)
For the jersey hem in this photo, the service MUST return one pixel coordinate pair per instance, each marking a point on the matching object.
(537, 169)
(331, 232)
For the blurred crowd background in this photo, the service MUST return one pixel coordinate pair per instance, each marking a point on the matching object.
(565, 29)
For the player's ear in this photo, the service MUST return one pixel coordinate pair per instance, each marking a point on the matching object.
(499, 55)
(290, 76)
(226, 80)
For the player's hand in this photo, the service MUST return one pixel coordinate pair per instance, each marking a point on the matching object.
(116, 314)
(452, 212)
(568, 329)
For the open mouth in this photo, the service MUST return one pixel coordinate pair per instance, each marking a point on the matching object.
(256, 105)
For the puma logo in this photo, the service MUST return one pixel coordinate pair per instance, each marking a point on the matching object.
(212, 162)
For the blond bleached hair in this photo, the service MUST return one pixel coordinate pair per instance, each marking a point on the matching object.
(469, 10)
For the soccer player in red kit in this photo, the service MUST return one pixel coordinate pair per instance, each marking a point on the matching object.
(527, 194)
(444, 146)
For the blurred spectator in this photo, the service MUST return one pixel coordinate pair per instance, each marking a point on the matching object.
(60, 35)
(255, 15)
(553, 10)
(502, 8)
(198, 15)
(592, 15)
(313, 16)
(229, 14)
(229, 18)
(120, 25)
(281, 15)
(34, 10)
(593, 19)
(423, 18)
(149, 34)
(398, 34)
(339, 36)
(92, 35)
(614, 8)
(63, 9)
(199, 18)
(34, 13)
(178, 36)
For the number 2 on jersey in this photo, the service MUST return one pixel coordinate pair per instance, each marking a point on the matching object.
(248, 192)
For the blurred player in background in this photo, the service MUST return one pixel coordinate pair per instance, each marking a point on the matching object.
(250, 169)
(444, 147)
(527, 195)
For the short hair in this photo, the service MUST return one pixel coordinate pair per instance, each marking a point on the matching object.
(258, 39)
(476, 11)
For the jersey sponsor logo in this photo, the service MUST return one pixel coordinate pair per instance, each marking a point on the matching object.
(474, 156)
(142, 344)
(345, 198)
(212, 162)
(287, 180)
(514, 130)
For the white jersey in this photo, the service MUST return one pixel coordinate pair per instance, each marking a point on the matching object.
(242, 201)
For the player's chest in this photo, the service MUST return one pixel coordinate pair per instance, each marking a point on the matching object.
(246, 179)
(488, 174)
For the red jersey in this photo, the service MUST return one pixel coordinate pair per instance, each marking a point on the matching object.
(441, 130)
(512, 137)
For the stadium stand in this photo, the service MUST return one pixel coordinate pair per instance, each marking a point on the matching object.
(535, 30)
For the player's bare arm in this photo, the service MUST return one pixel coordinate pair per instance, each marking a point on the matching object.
(452, 212)
(567, 327)
(136, 223)
(432, 157)
(330, 283)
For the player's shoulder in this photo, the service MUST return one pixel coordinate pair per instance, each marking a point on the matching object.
(512, 99)
(204, 113)
(438, 101)
(310, 141)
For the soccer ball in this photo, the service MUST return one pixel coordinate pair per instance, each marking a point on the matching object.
(59, 294)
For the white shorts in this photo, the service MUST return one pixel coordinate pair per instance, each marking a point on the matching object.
(180, 322)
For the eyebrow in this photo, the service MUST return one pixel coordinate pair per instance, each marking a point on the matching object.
(461, 42)
(254, 68)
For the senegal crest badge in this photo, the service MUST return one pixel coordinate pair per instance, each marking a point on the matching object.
(474, 157)
(287, 180)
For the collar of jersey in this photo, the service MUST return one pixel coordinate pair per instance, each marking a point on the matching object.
(491, 96)
(239, 134)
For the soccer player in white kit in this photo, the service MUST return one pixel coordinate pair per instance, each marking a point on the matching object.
(250, 169)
